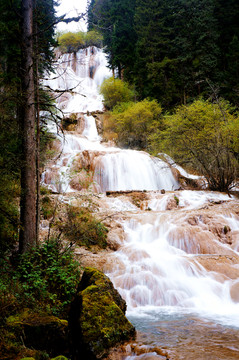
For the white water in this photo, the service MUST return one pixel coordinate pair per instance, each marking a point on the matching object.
(114, 169)
(159, 270)
(81, 74)
(159, 273)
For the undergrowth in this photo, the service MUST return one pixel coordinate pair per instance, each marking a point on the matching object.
(83, 228)
(44, 278)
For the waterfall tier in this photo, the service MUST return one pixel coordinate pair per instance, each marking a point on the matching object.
(178, 265)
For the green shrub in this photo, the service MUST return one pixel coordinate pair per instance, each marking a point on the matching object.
(71, 42)
(204, 136)
(45, 278)
(93, 38)
(49, 274)
(47, 207)
(115, 91)
(83, 228)
(135, 122)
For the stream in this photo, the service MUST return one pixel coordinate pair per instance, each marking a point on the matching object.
(178, 266)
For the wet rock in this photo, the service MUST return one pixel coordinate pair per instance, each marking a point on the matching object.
(97, 321)
(190, 184)
(172, 203)
(40, 331)
(234, 291)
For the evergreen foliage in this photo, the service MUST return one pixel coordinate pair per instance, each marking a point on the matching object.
(13, 104)
(114, 19)
(170, 49)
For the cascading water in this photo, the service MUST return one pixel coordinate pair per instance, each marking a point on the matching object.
(178, 267)
(114, 169)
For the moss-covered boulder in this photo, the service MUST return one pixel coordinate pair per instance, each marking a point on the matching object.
(41, 331)
(97, 321)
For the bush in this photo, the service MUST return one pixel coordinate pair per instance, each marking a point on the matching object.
(134, 122)
(93, 38)
(71, 42)
(82, 227)
(47, 207)
(44, 278)
(115, 91)
(204, 136)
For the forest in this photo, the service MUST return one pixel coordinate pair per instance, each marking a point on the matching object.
(174, 90)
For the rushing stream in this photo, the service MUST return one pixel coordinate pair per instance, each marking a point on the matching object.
(178, 268)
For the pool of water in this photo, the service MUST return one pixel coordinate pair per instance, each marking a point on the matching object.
(183, 336)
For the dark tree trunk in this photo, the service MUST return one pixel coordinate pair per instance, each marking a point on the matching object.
(28, 172)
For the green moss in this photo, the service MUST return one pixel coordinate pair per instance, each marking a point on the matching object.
(28, 358)
(41, 331)
(102, 319)
(100, 322)
(60, 357)
(176, 199)
(28, 317)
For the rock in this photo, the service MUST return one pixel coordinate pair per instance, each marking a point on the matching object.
(172, 203)
(41, 331)
(97, 321)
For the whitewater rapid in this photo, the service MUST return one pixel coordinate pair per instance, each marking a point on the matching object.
(164, 268)
(113, 169)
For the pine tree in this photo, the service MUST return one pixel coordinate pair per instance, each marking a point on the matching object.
(114, 19)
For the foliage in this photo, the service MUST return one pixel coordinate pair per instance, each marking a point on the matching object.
(114, 19)
(45, 278)
(47, 207)
(115, 91)
(83, 228)
(12, 105)
(134, 122)
(168, 49)
(204, 135)
(93, 38)
(9, 180)
(72, 42)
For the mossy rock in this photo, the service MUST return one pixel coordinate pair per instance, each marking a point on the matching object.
(28, 358)
(41, 331)
(97, 321)
(60, 357)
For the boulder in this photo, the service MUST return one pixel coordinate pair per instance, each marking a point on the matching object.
(97, 321)
(41, 331)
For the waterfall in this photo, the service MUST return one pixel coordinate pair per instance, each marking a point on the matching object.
(178, 266)
(114, 169)
(158, 269)
(132, 170)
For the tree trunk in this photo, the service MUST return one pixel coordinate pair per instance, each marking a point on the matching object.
(28, 172)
